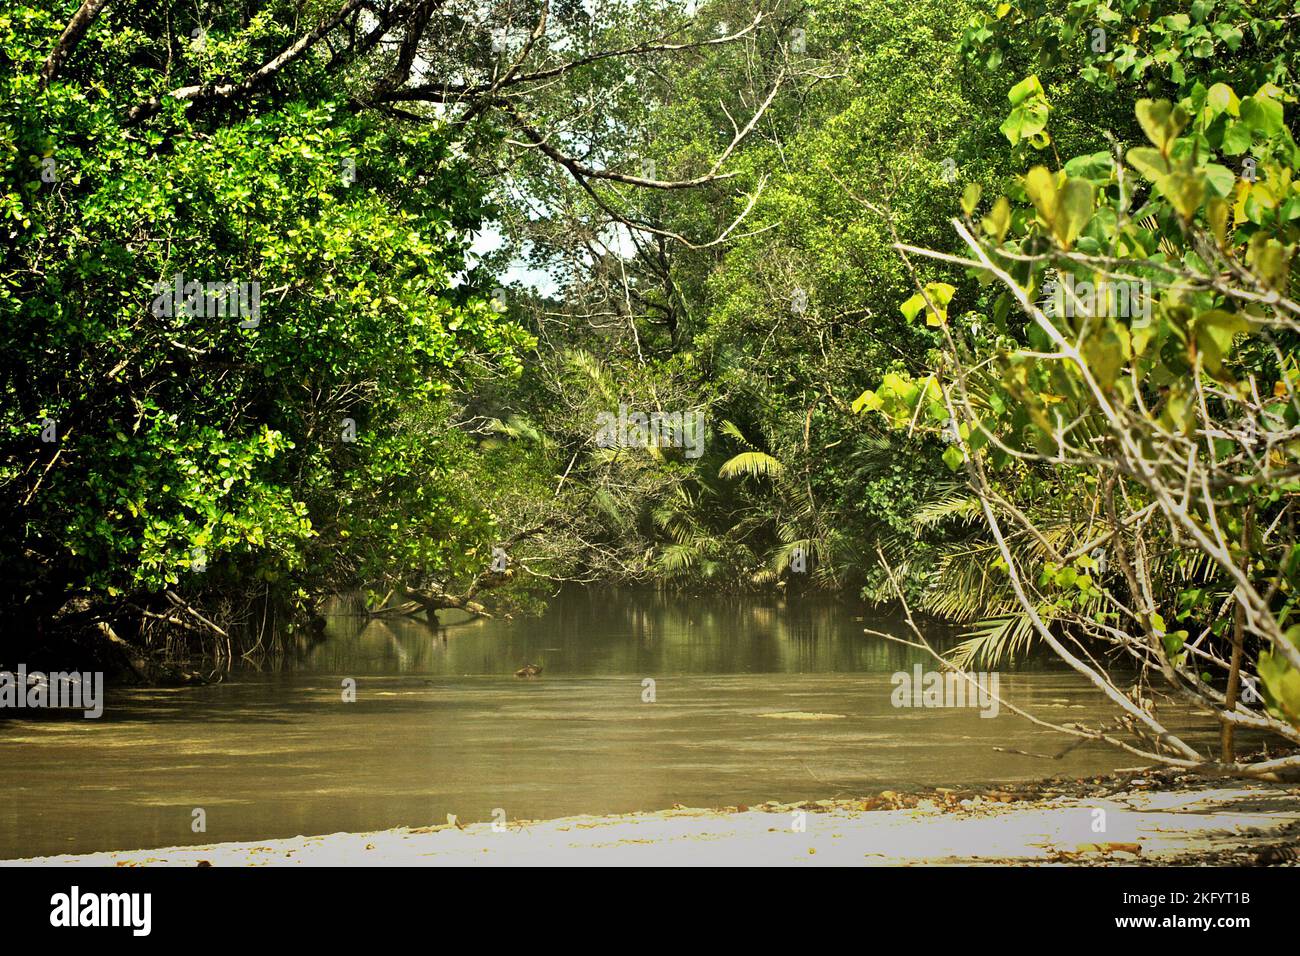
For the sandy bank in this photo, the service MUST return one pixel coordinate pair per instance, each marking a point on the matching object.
(1133, 824)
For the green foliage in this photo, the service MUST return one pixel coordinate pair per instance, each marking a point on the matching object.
(1155, 274)
(194, 449)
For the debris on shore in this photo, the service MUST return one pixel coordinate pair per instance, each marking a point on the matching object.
(1144, 818)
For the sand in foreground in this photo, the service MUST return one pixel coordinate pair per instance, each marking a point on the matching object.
(1231, 825)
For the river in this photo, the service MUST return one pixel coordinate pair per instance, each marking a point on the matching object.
(754, 700)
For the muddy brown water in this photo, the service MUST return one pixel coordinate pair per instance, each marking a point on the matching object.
(753, 700)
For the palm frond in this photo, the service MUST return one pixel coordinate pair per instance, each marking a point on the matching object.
(994, 641)
(593, 369)
(779, 559)
(956, 505)
(677, 558)
(516, 427)
(728, 427)
(755, 464)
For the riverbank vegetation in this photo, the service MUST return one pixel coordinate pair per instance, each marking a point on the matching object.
(982, 309)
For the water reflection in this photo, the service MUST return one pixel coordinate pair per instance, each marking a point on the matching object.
(598, 632)
(441, 726)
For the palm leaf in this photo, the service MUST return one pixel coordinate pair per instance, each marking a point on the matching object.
(729, 427)
(994, 641)
(755, 464)
(677, 558)
(963, 506)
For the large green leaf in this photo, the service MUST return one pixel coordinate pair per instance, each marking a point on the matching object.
(1075, 210)
(754, 464)
(1162, 121)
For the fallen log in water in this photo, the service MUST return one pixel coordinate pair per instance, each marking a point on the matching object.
(433, 600)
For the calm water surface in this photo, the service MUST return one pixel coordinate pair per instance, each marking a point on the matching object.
(441, 725)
